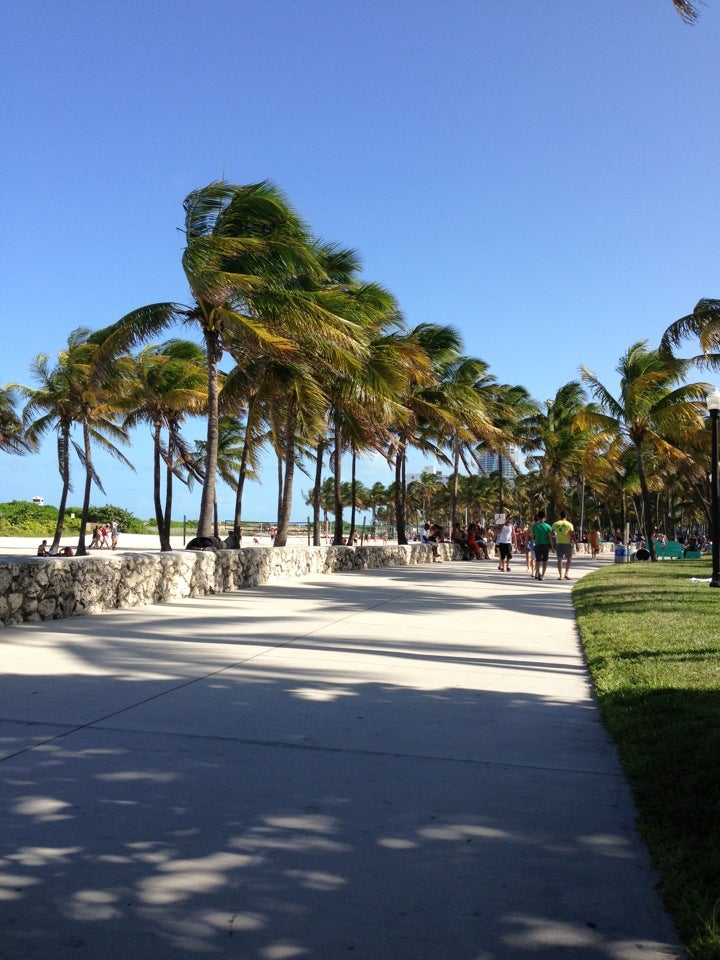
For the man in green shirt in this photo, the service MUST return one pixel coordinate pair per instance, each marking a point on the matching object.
(564, 534)
(541, 534)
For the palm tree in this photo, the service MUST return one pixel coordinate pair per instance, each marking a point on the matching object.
(68, 395)
(12, 436)
(253, 274)
(296, 416)
(361, 395)
(703, 323)
(231, 452)
(168, 384)
(655, 413)
(513, 413)
(378, 496)
(561, 442)
(468, 392)
(432, 348)
(101, 399)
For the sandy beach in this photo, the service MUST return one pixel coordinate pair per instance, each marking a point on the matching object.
(128, 543)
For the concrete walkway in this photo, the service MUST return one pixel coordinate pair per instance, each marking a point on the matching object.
(403, 764)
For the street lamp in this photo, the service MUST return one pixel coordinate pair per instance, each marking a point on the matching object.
(713, 405)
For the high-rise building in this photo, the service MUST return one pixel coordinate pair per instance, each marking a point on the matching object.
(489, 463)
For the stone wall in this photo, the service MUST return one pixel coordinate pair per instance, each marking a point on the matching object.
(49, 588)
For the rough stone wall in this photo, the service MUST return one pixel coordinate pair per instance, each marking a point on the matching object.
(50, 588)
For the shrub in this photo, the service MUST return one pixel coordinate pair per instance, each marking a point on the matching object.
(21, 518)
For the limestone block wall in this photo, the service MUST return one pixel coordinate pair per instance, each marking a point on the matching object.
(50, 588)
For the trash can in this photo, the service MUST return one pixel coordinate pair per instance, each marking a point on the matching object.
(620, 553)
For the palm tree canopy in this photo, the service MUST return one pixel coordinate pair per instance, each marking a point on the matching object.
(704, 324)
(688, 10)
(654, 406)
(12, 437)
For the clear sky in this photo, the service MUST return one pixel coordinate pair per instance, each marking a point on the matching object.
(541, 174)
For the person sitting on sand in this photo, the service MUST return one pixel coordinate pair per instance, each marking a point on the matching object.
(42, 550)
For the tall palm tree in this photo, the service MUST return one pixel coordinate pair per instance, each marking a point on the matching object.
(654, 413)
(468, 392)
(432, 348)
(68, 395)
(169, 383)
(100, 396)
(252, 273)
(296, 416)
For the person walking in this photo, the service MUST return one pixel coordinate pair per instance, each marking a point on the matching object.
(505, 540)
(565, 542)
(529, 551)
(542, 538)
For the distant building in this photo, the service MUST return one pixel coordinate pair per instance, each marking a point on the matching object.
(442, 477)
(489, 463)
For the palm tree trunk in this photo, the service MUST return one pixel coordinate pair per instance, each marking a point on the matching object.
(285, 507)
(647, 505)
(207, 502)
(242, 474)
(337, 471)
(157, 475)
(400, 489)
(454, 484)
(353, 494)
(81, 548)
(280, 483)
(319, 457)
(165, 544)
(501, 491)
(64, 460)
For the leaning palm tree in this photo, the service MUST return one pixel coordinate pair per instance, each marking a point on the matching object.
(252, 273)
(431, 348)
(467, 395)
(654, 414)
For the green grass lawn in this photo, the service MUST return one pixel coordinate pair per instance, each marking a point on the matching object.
(652, 640)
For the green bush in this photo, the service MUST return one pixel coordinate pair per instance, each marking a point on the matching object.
(21, 518)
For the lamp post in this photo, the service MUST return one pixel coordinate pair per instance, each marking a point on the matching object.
(713, 405)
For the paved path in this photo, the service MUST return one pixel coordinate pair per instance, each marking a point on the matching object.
(402, 764)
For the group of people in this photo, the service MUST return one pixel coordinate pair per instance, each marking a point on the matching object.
(105, 536)
(44, 551)
(542, 538)
(535, 541)
(473, 541)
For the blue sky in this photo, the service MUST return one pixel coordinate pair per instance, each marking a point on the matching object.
(538, 173)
